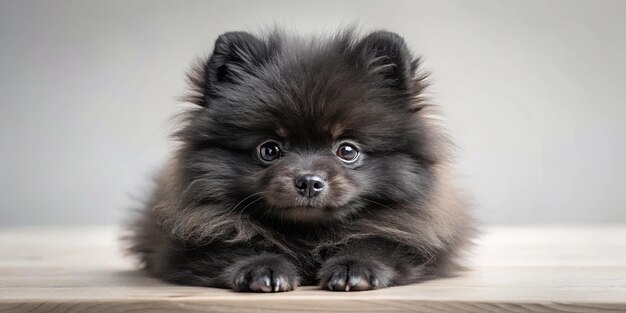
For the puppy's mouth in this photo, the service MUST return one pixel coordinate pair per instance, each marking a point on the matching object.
(308, 213)
(309, 205)
(286, 200)
(307, 210)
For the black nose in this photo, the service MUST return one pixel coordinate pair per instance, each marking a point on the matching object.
(309, 185)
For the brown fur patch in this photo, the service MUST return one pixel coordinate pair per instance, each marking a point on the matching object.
(282, 133)
(336, 131)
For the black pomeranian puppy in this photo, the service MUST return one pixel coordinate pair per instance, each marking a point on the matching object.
(306, 161)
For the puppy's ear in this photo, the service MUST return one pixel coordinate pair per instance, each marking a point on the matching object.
(235, 55)
(386, 55)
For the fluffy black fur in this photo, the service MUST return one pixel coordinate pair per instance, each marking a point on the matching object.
(223, 217)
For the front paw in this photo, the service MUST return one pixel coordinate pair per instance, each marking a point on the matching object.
(264, 273)
(350, 274)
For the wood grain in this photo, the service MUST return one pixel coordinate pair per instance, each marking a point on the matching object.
(512, 269)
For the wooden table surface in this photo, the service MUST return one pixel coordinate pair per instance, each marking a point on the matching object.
(513, 269)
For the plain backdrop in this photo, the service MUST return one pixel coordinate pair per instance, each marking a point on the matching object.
(533, 92)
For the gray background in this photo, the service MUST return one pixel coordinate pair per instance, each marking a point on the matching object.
(532, 91)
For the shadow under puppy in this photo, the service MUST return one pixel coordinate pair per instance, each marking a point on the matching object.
(306, 161)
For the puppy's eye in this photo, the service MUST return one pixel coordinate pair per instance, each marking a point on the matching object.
(269, 151)
(347, 152)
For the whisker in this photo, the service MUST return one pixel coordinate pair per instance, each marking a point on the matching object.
(372, 201)
(244, 199)
(249, 204)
